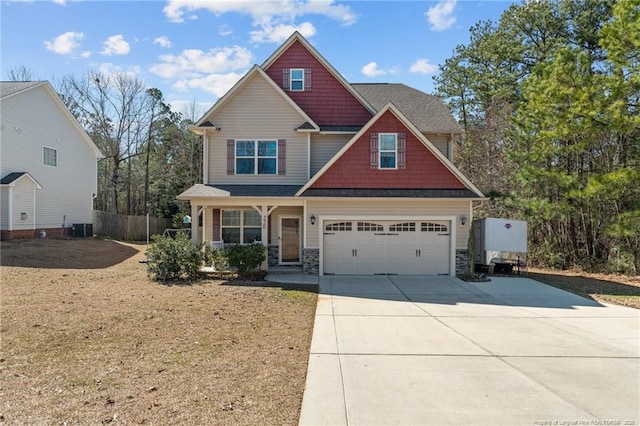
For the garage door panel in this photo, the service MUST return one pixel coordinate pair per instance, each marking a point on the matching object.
(420, 247)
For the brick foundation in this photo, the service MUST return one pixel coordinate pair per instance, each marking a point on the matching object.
(27, 234)
(311, 260)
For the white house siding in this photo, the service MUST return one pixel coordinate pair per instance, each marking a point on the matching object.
(22, 202)
(31, 120)
(441, 142)
(257, 111)
(389, 209)
(324, 147)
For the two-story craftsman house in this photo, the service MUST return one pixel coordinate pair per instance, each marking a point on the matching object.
(340, 178)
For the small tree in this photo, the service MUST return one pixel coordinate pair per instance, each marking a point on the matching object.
(172, 259)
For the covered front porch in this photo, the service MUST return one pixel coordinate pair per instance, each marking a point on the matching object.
(278, 222)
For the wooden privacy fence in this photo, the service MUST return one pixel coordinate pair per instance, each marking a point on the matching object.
(129, 228)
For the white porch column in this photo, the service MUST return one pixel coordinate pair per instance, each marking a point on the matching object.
(194, 224)
(264, 213)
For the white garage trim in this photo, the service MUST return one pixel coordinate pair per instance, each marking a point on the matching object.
(452, 220)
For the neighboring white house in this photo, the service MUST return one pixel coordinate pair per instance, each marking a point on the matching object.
(48, 163)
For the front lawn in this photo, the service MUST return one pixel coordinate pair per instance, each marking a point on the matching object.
(88, 338)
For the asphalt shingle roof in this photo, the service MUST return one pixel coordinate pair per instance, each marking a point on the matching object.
(10, 87)
(11, 177)
(427, 112)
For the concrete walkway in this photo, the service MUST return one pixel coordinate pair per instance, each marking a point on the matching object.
(436, 350)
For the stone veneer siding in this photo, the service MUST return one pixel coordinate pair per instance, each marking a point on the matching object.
(273, 254)
(311, 260)
(462, 261)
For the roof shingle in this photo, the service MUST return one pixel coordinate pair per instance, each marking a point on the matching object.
(427, 112)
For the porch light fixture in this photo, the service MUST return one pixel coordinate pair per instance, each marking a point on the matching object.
(313, 219)
(23, 216)
(463, 219)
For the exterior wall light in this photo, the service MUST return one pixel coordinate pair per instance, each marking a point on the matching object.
(313, 219)
(23, 216)
(463, 219)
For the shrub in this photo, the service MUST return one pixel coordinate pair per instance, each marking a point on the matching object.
(173, 258)
(215, 257)
(245, 258)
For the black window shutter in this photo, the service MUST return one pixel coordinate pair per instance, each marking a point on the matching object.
(402, 151)
(282, 156)
(231, 156)
(285, 78)
(374, 150)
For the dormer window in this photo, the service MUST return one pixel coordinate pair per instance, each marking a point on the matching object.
(297, 80)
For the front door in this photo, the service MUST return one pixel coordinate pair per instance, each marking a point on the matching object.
(290, 240)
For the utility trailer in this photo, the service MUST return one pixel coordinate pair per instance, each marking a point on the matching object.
(500, 245)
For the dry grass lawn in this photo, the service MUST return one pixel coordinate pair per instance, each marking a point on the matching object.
(610, 288)
(87, 338)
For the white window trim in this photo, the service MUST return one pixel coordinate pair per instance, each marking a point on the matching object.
(291, 79)
(53, 149)
(255, 157)
(380, 151)
(241, 226)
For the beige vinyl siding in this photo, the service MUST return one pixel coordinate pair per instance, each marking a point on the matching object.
(324, 147)
(390, 208)
(22, 202)
(31, 120)
(275, 220)
(257, 111)
(441, 142)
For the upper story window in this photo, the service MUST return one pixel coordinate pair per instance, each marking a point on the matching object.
(49, 156)
(388, 151)
(297, 80)
(256, 157)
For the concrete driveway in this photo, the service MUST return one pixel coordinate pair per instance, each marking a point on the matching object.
(436, 350)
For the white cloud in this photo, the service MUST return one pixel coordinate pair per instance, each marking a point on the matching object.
(217, 84)
(109, 69)
(225, 30)
(115, 45)
(372, 70)
(272, 18)
(65, 43)
(195, 62)
(441, 16)
(85, 54)
(422, 66)
(281, 32)
(162, 41)
(60, 2)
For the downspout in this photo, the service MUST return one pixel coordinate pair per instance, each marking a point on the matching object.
(205, 158)
(10, 209)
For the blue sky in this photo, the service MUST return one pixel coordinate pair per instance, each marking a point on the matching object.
(194, 50)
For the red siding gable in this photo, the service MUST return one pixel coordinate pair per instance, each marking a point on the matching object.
(423, 169)
(328, 102)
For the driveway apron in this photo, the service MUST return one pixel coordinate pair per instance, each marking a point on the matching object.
(392, 350)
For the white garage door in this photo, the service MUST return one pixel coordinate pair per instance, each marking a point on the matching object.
(386, 247)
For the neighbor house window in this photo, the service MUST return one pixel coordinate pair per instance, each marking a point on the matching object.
(297, 80)
(388, 151)
(256, 157)
(241, 226)
(49, 156)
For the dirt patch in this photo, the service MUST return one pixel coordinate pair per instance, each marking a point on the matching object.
(87, 338)
(610, 288)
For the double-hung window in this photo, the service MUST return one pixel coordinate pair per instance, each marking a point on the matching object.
(296, 80)
(256, 157)
(388, 151)
(241, 226)
(49, 156)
